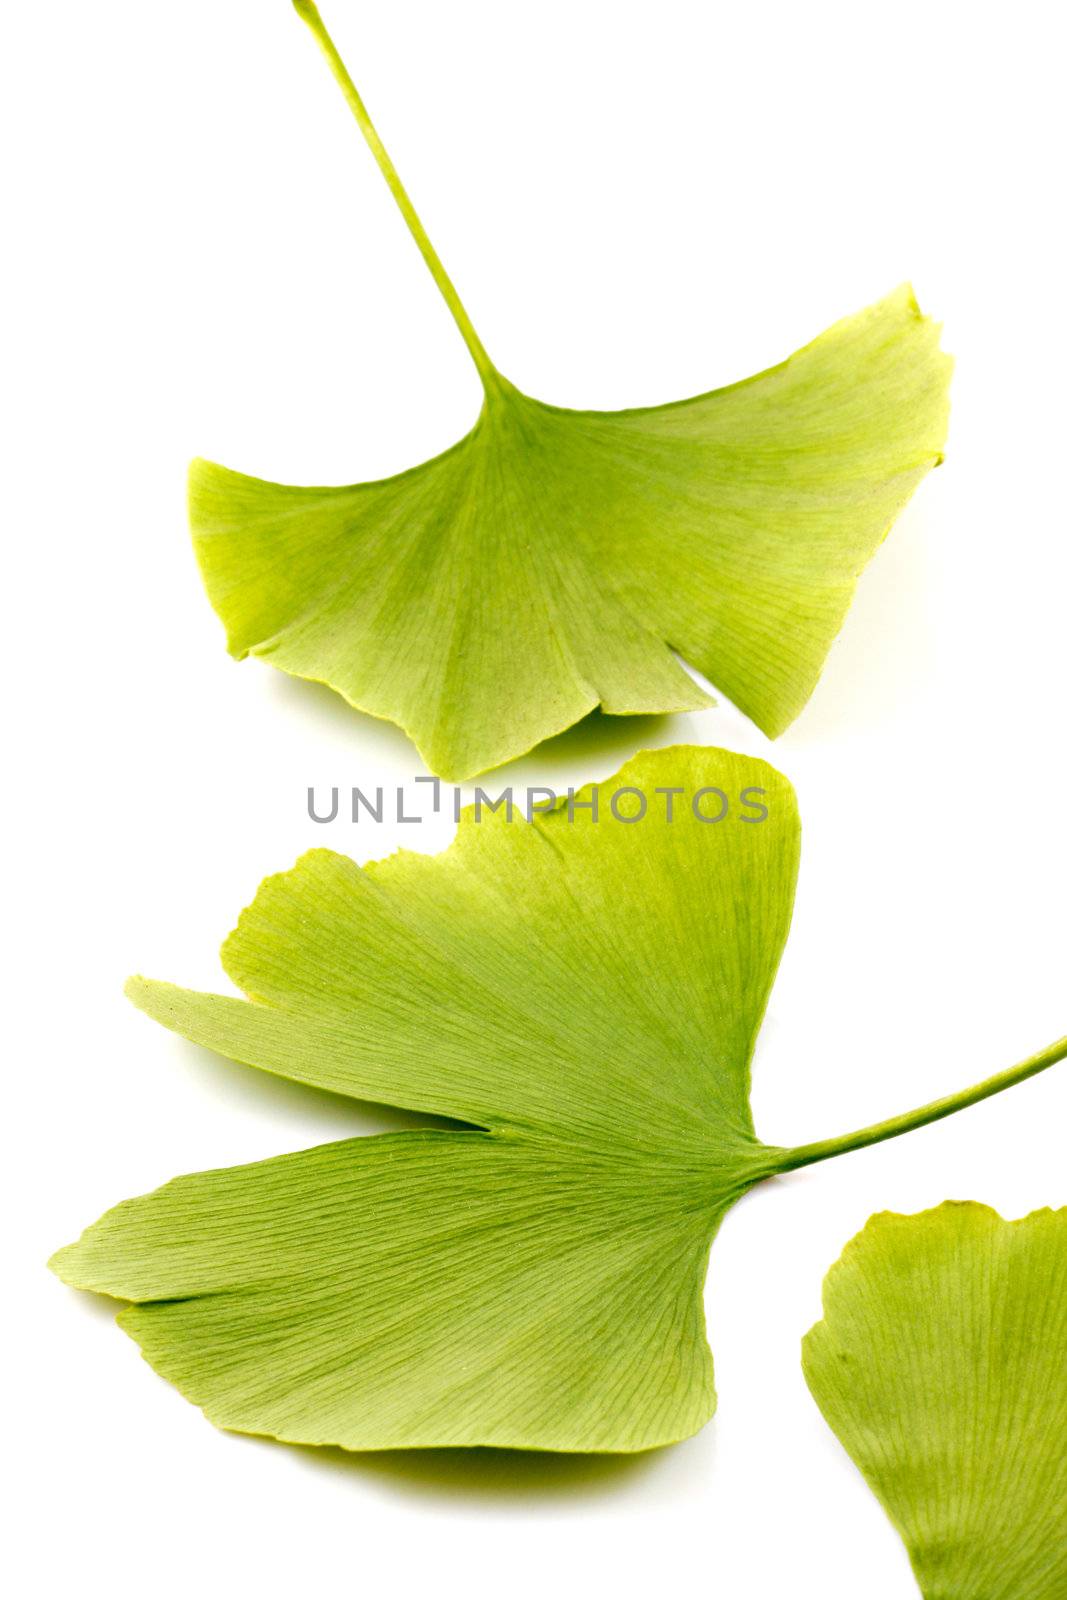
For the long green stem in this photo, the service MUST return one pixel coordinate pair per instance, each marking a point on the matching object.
(804, 1155)
(486, 371)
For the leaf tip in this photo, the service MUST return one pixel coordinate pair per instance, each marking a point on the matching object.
(67, 1264)
(55, 1262)
(153, 997)
(136, 988)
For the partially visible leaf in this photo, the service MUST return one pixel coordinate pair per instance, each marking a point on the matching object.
(587, 992)
(553, 560)
(941, 1365)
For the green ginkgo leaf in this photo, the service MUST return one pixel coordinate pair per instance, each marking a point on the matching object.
(553, 561)
(586, 991)
(941, 1365)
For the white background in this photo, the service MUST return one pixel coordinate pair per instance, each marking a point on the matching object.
(636, 203)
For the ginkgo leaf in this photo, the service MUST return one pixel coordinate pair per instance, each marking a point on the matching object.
(586, 990)
(553, 561)
(941, 1365)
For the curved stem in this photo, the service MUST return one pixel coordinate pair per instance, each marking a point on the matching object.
(486, 371)
(804, 1155)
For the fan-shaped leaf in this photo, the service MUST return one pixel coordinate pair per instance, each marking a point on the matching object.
(552, 561)
(941, 1365)
(586, 990)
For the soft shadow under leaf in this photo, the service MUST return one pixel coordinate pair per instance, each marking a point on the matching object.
(490, 1475)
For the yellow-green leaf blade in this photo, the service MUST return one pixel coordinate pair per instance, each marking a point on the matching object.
(552, 560)
(588, 976)
(775, 493)
(422, 1289)
(941, 1365)
(589, 990)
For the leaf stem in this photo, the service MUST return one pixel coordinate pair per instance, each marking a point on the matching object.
(486, 371)
(804, 1155)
